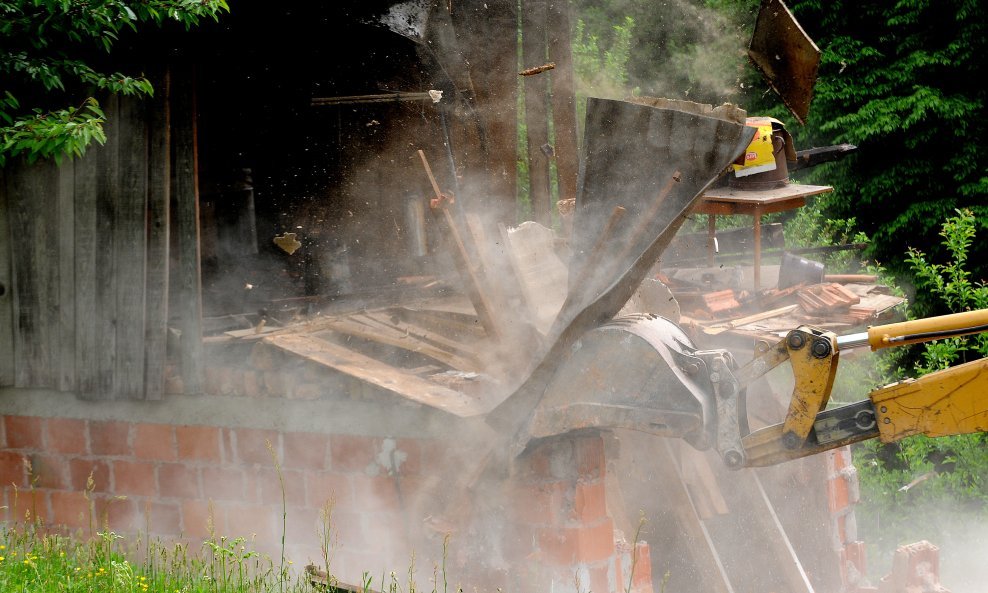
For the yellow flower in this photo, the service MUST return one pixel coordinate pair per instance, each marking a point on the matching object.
(3, 547)
(1, 558)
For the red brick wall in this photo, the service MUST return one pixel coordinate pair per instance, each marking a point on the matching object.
(177, 482)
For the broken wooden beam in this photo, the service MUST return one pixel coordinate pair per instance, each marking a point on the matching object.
(469, 271)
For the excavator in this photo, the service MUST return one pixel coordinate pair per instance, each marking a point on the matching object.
(602, 370)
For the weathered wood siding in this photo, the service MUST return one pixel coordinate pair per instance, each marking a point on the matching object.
(85, 258)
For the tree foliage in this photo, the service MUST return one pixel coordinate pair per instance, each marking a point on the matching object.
(50, 52)
(902, 80)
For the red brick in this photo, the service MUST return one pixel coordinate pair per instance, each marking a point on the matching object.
(132, 478)
(347, 530)
(252, 446)
(12, 469)
(642, 577)
(222, 483)
(837, 460)
(305, 450)
(198, 443)
(109, 438)
(81, 469)
(390, 524)
(199, 518)
(294, 485)
(71, 509)
(23, 432)
(301, 525)
(154, 442)
(252, 521)
(600, 580)
(536, 504)
(66, 435)
(375, 493)
(421, 457)
(589, 456)
(412, 460)
(590, 502)
(117, 513)
(323, 487)
(855, 555)
(49, 471)
(163, 519)
(571, 545)
(838, 496)
(352, 453)
(178, 481)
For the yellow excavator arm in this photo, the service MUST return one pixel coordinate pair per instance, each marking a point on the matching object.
(947, 402)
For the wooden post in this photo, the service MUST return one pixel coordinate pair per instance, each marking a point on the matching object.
(563, 99)
(489, 29)
(534, 14)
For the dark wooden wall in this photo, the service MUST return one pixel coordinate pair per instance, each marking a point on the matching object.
(87, 261)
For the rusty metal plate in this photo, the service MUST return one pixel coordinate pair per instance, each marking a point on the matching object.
(786, 56)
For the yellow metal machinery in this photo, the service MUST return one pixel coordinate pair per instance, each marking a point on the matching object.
(948, 402)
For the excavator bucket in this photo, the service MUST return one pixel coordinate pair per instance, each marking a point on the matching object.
(653, 164)
(638, 373)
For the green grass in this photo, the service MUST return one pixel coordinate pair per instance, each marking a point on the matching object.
(36, 559)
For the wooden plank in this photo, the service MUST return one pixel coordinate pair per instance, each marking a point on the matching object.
(33, 196)
(130, 249)
(374, 331)
(452, 324)
(66, 276)
(185, 185)
(107, 202)
(534, 14)
(159, 219)
(419, 333)
(6, 288)
(375, 373)
(87, 242)
(736, 323)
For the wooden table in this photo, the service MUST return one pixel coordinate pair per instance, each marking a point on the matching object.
(754, 203)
